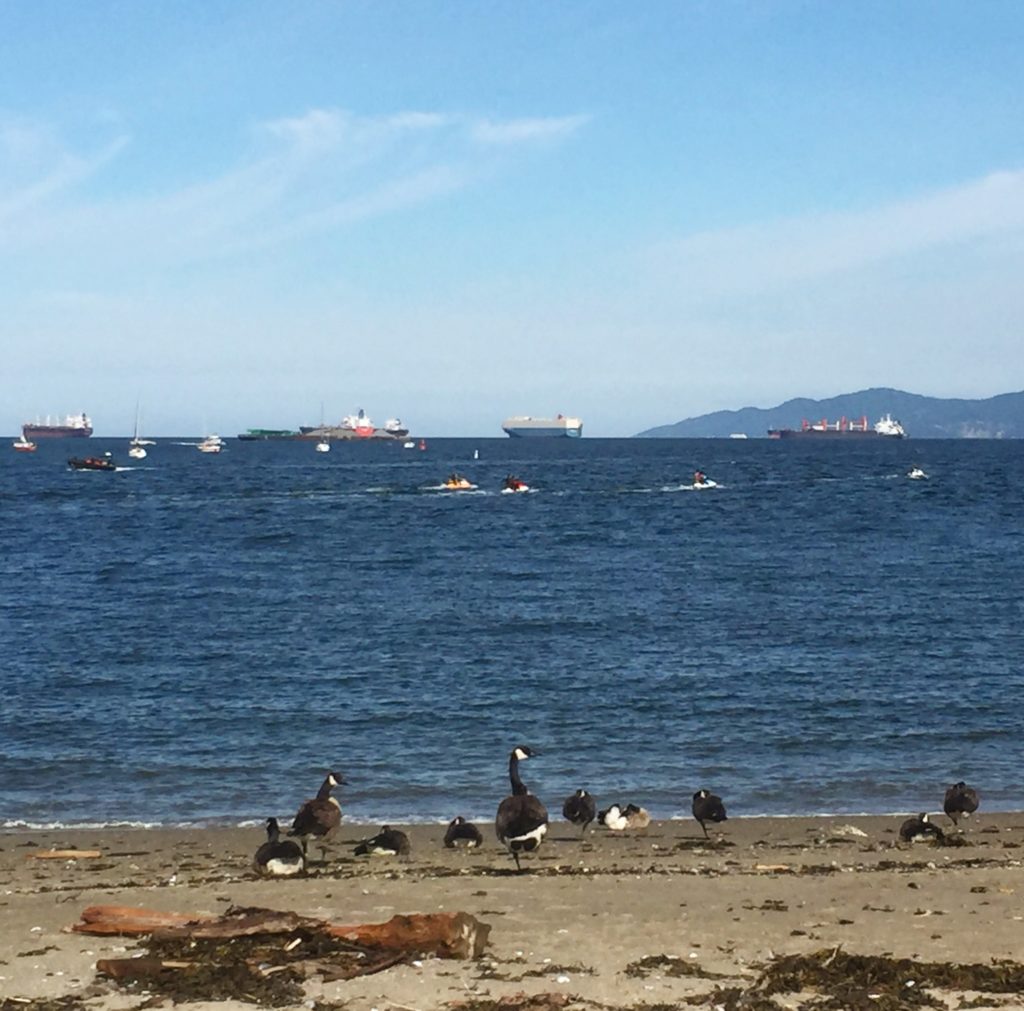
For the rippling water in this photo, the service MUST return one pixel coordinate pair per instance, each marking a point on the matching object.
(198, 638)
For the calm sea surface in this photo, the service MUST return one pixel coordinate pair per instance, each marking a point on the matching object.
(198, 638)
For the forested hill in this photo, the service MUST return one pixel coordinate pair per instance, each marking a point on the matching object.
(999, 417)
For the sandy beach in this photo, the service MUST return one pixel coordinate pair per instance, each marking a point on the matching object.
(578, 924)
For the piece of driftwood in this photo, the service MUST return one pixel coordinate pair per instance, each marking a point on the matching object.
(63, 855)
(131, 921)
(447, 935)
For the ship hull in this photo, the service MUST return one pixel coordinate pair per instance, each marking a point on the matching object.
(829, 434)
(32, 432)
(543, 433)
(560, 427)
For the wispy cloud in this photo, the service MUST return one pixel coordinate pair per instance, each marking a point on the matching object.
(302, 175)
(775, 255)
(522, 131)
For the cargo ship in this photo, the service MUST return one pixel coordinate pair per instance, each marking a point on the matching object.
(75, 426)
(886, 427)
(263, 434)
(530, 428)
(356, 426)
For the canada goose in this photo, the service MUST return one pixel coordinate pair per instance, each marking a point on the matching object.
(613, 818)
(960, 799)
(636, 817)
(319, 817)
(388, 842)
(462, 834)
(277, 858)
(708, 807)
(920, 828)
(580, 809)
(522, 819)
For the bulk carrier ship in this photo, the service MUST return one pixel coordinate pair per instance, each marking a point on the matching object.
(845, 428)
(76, 426)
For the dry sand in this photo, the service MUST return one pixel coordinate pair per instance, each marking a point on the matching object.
(583, 911)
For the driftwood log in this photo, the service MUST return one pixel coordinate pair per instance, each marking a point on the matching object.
(446, 935)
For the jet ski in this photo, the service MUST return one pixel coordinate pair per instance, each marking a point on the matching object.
(511, 485)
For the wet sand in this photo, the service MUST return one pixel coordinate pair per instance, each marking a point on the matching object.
(584, 911)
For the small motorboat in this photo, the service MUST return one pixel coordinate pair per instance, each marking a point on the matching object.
(512, 485)
(23, 445)
(916, 474)
(323, 446)
(91, 463)
(211, 444)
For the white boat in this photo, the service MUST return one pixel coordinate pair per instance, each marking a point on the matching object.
(703, 485)
(916, 474)
(888, 425)
(135, 449)
(211, 444)
(24, 445)
(323, 446)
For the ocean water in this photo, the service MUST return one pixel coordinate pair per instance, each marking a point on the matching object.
(198, 638)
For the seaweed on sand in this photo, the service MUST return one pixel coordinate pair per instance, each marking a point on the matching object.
(263, 969)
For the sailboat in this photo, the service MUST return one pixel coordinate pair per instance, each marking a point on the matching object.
(135, 450)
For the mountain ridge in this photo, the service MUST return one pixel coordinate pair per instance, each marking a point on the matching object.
(998, 417)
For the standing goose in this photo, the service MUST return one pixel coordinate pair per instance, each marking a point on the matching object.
(580, 809)
(708, 807)
(319, 817)
(462, 834)
(961, 799)
(388, 842)
(522, 819)
(277, 858)
(920, 828)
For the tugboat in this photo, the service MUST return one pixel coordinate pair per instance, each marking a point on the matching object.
(91, 463)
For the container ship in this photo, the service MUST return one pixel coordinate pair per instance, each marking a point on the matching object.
(76, 426)
(530, 428)
(845, 428)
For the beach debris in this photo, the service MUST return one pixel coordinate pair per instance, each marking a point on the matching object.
(446, 935)
(853, 982)
(516, 1002)
(849, 831)
(670, 965)
(63, 855)
(263, 956)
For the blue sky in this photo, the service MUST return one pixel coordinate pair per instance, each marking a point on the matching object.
(452, 212)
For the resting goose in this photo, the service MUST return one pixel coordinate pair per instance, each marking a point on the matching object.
(636, 817)
(708, 807)
(920, 827)
(614, 818)
(462, 834)
(388, 842)
(277, 858)
(961, 799)
(320, 817)
(522, 819)
(580, 809)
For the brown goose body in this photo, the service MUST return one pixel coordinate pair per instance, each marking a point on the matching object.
(707, 807)
(960, 799)
(462, 833)
(319, 817)
(278, 857)
(580, 809)
(522, 820)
